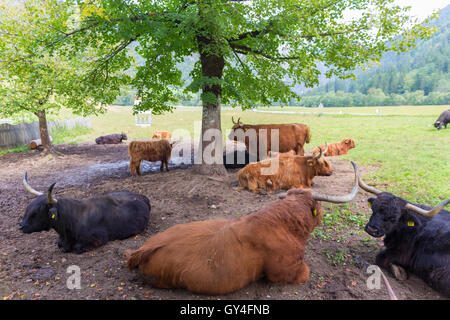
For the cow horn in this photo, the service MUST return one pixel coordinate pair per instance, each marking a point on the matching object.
(50, 198)
(28, 187)
(368, 188)
(341, 199)
(232, 119)
(322, 152)
(430, 213)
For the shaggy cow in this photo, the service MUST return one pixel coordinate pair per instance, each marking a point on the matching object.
(153, 150)
(443, 119)
(89, 223)
(293, 172)
(221, 256)
(161, 135)
(417, 238)
(291, 136)
(337, 148)
(111, 139)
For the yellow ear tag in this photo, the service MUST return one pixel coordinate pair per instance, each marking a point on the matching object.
(370, 205)
(410, 223)
(310, 164)
(245, 129)
(53, 216)
(315, 212)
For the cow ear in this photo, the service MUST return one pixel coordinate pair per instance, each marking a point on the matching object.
(370, 201)
(409, 220)
(53, 214)
(310, 163)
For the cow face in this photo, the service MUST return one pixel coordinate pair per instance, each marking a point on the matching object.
(124, 136)
(321, 166)
(386, 212)
(38, 216)
(350, 143)
(438, 125)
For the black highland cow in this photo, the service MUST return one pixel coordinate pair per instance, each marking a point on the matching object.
(417, 238)
(86, 224)
(111, 139)
(443, 119)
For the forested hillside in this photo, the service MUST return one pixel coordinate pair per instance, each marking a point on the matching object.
(418, 77)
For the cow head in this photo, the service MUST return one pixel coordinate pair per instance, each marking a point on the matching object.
(350, 143)
(387, 210)
(41, 212)
(123, 136)
(320, 165)
(438, 125)
(236, 126)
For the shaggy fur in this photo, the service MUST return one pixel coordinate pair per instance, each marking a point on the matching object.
(293, 172)
(337, 148)
(416, 243)
(443, 120)
(153, 150)
(161, 135)
(221, 256)
(291, 136)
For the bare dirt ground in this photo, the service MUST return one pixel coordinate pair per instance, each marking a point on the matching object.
(32, 266)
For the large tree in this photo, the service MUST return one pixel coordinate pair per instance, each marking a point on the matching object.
(247, 49)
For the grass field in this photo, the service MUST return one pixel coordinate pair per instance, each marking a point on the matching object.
(412, 157)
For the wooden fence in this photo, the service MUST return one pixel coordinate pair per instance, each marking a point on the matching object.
(12, 136)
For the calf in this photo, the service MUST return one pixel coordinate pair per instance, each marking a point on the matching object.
(293, 172)
(417, 238)
(443, 119)
(89, 223)
(153, 150)
(111, 139)
(221, 256)
(161, 135)
(337, 148)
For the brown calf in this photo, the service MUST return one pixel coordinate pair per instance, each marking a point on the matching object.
(221, 256)
(153, 150)
(337, 148)
(293, 172)
(161, 135)
(292, 136)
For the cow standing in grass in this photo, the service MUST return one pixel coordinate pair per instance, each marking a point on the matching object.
(86, 224)
(153, 150)
(220, 256)
(417, 238)
(443, 119)
(291, 137)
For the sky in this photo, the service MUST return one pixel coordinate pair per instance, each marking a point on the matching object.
(423, 8)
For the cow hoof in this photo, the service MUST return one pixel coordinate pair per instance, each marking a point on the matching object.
(398, 272)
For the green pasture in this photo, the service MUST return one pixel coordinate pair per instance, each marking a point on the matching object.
(409, 156)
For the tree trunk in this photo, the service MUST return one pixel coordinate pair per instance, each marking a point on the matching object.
(212, 67)
(43, 130)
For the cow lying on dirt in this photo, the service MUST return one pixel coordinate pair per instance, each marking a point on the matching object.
(86, 224)
(221, 256)
(417, 238)
(161, 135)
(153, 150)
(292, 136)
(293, 172)
(337, 148)
(111, 139)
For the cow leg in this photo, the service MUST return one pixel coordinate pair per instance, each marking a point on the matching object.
(386, 260)
(138, 169)
(302, 274)
(167, 164)
(79, 248)
(161, 168)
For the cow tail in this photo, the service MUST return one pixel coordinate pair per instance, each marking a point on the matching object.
(308, 135)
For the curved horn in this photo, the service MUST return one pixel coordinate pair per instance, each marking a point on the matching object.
(232, 119)
(50, 198)
(321, 152)
(341, 199)
(368, 188)
(28, 187)
(428, 213)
